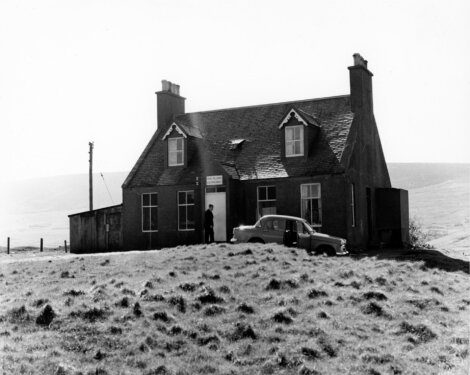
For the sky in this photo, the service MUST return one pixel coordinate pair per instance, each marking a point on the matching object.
(78, 71)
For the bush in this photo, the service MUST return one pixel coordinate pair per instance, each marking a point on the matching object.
(418, 237)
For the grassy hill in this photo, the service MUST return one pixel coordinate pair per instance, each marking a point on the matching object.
(439, 199)
(232, 309)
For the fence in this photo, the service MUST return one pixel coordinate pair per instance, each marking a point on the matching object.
(41, 246)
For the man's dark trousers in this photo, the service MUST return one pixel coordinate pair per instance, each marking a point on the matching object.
(209, 226)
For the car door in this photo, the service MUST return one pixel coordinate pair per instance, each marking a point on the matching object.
(272, 230)
(305, 240)
(290, 234)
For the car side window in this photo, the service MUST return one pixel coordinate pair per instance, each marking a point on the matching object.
(279, 225)
(267, 224)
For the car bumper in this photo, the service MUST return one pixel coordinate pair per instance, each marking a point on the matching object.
(342, 251)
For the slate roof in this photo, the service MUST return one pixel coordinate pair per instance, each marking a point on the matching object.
(259, 157)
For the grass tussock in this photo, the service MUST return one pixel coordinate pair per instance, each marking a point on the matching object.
(233, 309)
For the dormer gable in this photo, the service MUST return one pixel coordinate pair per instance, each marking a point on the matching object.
(174, 128)
(298, 131)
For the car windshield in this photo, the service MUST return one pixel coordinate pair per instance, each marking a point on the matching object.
(309, 228)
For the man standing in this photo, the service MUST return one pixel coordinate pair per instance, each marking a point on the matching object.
(209, 224)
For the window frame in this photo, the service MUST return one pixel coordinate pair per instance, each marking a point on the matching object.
(176, 151)
(353, 206)
(300, 140)
(258, 211)
(320, 213)
(186, 210)
(150, 206)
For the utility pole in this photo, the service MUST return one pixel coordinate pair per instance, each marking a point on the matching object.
(91, 175)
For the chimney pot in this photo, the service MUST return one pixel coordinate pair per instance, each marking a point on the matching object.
(174, 88)
(359, 60)
(166, 85)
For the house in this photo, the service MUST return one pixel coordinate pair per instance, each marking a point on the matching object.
(320, 159)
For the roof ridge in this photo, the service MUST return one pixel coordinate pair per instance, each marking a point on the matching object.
(267, 104)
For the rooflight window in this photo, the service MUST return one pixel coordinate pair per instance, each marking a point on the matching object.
(175, 151)
(236, 143)
(294, 140)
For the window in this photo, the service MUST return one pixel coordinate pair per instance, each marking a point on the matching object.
(266, 200)
(294, 140)
(149, 212)
(175, 151)
(310, 197)
(278, 225)
(353, 206)
(186, 210)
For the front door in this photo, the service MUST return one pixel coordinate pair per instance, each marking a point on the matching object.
(220, 216)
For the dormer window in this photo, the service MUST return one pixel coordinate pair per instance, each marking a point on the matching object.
(175, 151)
(294, 140)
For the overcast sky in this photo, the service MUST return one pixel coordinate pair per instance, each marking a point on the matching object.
(76, 71)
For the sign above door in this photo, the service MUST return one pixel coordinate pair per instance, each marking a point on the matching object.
(214, 180)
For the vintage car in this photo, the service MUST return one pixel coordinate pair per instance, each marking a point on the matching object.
(289, 231)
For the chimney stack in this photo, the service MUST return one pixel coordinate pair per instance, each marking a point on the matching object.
(361, 85)
(169, 103)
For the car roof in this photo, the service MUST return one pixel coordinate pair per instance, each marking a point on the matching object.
(282, 217)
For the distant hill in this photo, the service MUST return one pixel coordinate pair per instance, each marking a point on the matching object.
(30, 209)
(416, 175)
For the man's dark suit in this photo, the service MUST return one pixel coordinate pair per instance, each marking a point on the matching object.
(209, 226)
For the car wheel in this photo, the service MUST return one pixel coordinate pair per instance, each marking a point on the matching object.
(328, 250)
(256, 240)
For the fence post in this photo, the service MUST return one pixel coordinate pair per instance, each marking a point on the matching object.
(40, 248)
(8, 245)
(65, 245)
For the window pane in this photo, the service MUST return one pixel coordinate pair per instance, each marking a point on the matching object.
(314, 191)
(172, 158)
(182, 197)
(190, 197)
(289, 148)
(279, 225)
(145, 199)
(190, 217)
(154, 199)
(297, 150)
(179, 144)
(271, 192)
(171, 144)
(306, 213)
(182, 217)
(304, 191)
(289, 134)
(267, 208)
(262, 193)
(315, 203)
(154, 218)
(146, 218)
(179, 157)
(267, 224)
(297, 133)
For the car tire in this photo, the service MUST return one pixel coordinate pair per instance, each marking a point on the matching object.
(324, 249)
(256, 240)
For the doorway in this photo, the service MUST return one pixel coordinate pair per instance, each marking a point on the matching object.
(216, 197)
